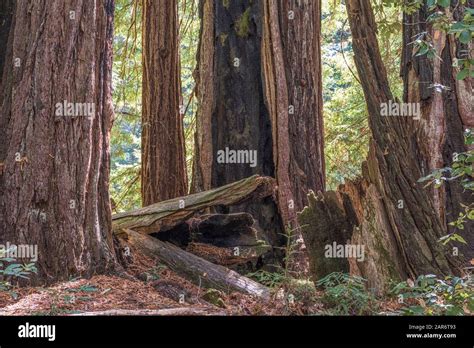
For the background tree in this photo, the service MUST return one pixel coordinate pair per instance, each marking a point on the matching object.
(54, 185)
(163, 152)
(6, 11)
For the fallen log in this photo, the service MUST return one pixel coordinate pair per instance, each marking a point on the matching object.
(154, 312)
(224, 230)
(223, 239)
(195, 269)
(221, 230)
(166, 215)
(240, 259)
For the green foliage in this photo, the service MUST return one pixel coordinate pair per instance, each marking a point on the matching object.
(189, 38)
(270, 279)
(215, 297)
(345, 115)
(286, 278)
(153, 273)
(441, 19)
(291, 250)
(127, 84)
(13, 270)
(303, 291)
(84, 288)
(429, 295)
(346, 295)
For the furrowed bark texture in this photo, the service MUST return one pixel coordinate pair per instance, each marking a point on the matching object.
(240, 119)
(395, 219)
(300, 26)
(6, 18)
(163, 171)
(204, 76)
(447, 109)
(54, 186)
(277, 101)
(232, 112)
(259, 85)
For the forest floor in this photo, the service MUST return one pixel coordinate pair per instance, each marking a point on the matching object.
(153, 289)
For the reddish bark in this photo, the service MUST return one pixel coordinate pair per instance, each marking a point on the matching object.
(54, 186)
(446, 105)
(163, 151)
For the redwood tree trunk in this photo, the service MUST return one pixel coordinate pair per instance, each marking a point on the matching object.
(54, 186)
(300, 26)
(163, 151)
(232, 112)
(446, 110)
(259, 86)
(391, 214)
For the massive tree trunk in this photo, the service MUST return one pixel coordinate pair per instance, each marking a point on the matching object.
(394, 217)
(163, 152)
(233, 114)
(258, 83)
(446, 105)
(54, 185)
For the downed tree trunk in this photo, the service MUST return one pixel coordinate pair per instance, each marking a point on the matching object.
(221, 230)
(224, 230)
(242, 259)
(194, 268)
(225, 239)
(166, 215)
(164, 311)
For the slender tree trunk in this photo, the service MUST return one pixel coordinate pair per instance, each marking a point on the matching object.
(163, 151)
(446, 105)
(276, 94)
(54, 185)
(204, 90)
(300, 26)
(390, 212)
(6, 17)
